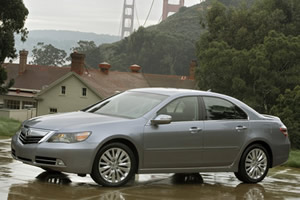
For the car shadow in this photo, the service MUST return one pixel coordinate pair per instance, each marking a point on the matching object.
(54, 177)
(56, 185)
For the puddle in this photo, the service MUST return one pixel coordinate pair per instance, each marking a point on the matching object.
(19, 181)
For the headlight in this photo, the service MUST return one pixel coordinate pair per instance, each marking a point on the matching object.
(69, 137)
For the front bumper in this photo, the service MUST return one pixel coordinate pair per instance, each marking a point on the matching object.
(76, 157)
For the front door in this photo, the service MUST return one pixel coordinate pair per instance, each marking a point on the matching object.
(178, 144)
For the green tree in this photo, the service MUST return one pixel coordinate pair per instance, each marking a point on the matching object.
(288, 109)
(251, 53)
(157, 52)
(46, 54)
(165, 48)
(13, 14)
(91, 51)
(84, 46)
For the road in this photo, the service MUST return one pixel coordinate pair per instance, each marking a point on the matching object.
(19, 181)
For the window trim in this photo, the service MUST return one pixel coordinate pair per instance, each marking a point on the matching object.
(202, 108)
(205, 113)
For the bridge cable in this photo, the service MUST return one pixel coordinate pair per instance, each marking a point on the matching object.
(136, 13)
(149, 12)
(160, 19)
(120, 27)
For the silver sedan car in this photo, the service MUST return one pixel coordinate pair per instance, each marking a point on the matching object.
(155, 130)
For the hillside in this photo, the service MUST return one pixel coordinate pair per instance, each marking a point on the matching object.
(166, 48)
(62, 39)
(185, 22)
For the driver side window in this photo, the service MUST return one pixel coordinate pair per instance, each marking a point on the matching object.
(182, 109)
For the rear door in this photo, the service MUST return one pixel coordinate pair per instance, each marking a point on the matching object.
(225, 129)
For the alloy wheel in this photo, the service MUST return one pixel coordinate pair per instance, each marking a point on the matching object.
(114, 165)
(256, 163)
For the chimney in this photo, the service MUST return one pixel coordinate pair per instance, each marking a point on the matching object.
(77, 64)
(193, 65)
(104, 67)
(135, 68)
(23, 61)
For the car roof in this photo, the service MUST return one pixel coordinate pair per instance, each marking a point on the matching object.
(180, 92)
(171, 91)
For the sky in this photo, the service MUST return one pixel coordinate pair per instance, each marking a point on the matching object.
(97, 16)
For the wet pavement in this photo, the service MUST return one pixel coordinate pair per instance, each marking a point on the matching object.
(20, 181)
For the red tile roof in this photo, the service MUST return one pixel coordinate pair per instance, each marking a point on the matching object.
(38, 77)
(108, 84)
(172, 81)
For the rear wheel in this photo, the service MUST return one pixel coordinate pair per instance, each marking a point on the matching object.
(254, 164)
(114, 165)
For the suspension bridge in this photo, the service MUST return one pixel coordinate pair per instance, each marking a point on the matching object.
(130, 13)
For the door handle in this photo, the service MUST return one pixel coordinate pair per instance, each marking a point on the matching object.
(194, 130)
(240, 128)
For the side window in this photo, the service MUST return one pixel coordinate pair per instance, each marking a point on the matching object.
(220, 109)
(182, 109)
(52, 110)
(63, 90)
(84, 91)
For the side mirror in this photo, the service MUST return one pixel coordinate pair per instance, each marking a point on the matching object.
(161, 119)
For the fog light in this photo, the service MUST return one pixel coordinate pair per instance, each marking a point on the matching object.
(59, 162)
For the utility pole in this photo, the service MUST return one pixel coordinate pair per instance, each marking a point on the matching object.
(167, 8)
(127, 19)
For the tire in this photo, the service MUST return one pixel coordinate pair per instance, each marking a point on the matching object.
(254, 164)
(114, 165)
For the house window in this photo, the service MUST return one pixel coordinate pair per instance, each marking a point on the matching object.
(84, 91)
(12, 104)
(53, 110)
(28, 104)
(63, 89)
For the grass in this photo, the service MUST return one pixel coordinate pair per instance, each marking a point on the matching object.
(8, 127)
(294, 159)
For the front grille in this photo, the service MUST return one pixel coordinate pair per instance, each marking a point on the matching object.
(45, 160)
(25, 139)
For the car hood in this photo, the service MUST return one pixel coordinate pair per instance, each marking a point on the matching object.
(65, 120)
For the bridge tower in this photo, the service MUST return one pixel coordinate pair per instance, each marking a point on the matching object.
(167, 8)
(128, 17)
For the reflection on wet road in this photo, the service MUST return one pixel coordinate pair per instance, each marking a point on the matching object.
(19, 181)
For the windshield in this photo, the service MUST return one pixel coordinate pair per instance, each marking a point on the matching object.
(128, 104)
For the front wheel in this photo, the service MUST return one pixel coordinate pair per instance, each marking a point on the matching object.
(114, 165)
(254, 164)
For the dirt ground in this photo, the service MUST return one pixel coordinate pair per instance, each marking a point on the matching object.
(19, 181)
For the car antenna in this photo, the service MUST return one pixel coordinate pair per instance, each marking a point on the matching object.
(209, 90)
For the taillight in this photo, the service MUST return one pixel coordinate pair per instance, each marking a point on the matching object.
(284, 130)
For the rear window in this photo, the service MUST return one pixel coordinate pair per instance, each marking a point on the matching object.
(220, 109)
